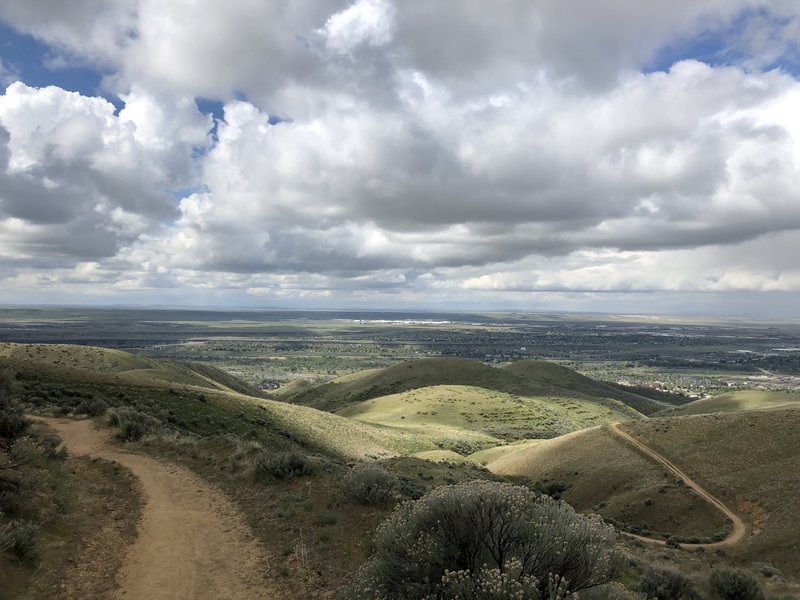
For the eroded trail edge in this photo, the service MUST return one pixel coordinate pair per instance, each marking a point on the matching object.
(192, 543)
(739, 529)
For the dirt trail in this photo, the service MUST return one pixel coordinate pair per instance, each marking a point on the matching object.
(191, 542)
(739, 529)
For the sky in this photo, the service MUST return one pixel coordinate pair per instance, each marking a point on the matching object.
(561, 155)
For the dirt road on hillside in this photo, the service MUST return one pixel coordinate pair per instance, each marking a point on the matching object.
(192, 543)
(739, 529)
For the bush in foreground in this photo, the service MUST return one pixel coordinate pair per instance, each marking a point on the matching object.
(21, 539)
(369, 485)
(729, 584)
(13, 423)
(662, 582)
(133, 425)
(474, 539)
(286, 464)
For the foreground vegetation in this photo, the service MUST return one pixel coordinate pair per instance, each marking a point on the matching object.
(331, 498)
(57, 512)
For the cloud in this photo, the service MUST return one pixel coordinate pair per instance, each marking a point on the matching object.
(422, 148)
(369, 22)
(78, 180)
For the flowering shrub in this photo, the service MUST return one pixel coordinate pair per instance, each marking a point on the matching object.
(486, 540)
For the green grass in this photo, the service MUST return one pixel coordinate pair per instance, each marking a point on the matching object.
(527, 378)
(739, 400)
(123, 366)
(444, 411)
(85, 512)
(602, 474)
(750, 460)
(550, 373)
(207, 412)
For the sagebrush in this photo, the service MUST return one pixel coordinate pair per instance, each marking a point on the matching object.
(481, 531)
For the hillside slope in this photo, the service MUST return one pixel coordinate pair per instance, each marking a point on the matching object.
(528, 379)
(473, 409)
(738, 400)
(124, 366)
(617, 487)
(747, 459)
(544, 372)
(63, 377)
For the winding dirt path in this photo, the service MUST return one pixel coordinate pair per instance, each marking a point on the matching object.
(739, 529)
(191, 544)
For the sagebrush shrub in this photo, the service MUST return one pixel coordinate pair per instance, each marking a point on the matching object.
(21, 539)
(93, 407)
(286, 464)
(369, 484)
(133, 425)
(662, 582)
(730, 584)
(481, 527)
(13, 423)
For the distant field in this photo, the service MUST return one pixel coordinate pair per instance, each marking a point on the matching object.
(442, 409)
(739, 400)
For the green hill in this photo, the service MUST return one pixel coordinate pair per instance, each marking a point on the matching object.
(438, 409)
(186, 397)
(123, 366)
(544, 372)
(528, 379)
(747, 458)
(738, 400)
(411, 375)
(291, 388)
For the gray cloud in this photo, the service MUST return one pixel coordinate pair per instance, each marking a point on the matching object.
(430, 148)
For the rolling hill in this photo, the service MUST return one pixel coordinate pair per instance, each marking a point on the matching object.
(747, 458)
(738, 400)
(189, 396)
(548, 373)
(528, 379)
(124, 366)
(444, 408)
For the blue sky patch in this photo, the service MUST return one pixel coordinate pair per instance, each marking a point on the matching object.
(727, 45)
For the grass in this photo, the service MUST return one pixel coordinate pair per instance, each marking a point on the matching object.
(604, 475)
(527, 379)
(750, 460)
(550, 373)
(123, 366)
(447, 411)
(86, 512)
(738, 400)
(320, 538)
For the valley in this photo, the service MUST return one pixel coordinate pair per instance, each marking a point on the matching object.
(700, 483)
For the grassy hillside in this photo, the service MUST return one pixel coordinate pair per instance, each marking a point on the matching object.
(122, 365)
(442, 409)
(548, 373)
(739, 400)
(223, 436)
(623, 485)
(291, 388)
(750, 459)
(528, 379)
(202, 410)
